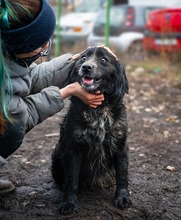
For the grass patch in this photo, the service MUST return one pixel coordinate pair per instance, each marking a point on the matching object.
(158, 65)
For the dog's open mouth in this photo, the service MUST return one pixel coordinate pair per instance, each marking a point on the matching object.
(90, 81)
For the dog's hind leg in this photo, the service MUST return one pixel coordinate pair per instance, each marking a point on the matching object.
(72, 163)
(121, 199)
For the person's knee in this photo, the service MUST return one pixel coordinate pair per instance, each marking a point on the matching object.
(12, 139)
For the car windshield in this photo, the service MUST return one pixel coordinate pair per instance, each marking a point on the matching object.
(148, 10)
(142, 14)
(117, 16)
(87, 6)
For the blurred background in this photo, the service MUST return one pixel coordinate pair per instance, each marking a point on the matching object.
(134, 29)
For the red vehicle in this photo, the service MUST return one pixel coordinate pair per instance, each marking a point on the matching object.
(163, 30)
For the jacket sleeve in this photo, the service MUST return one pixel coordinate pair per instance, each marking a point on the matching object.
(45, 98)
(52, 73)
(34, 109)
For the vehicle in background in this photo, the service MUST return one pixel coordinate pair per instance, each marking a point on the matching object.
(163, 31)
(76, 26)
(127, 26)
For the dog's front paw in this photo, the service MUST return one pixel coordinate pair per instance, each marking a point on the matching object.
(122, 199)
(66, 207)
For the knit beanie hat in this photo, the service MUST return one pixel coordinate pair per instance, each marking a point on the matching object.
(32, 36)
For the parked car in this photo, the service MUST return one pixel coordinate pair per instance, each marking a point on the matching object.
(77, 25)
(163, 31)
(127, 25)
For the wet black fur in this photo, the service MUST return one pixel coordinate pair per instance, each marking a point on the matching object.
(93, 141)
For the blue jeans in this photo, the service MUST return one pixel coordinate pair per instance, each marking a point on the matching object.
(12, 139)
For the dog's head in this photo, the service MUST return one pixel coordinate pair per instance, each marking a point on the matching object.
(97, 69)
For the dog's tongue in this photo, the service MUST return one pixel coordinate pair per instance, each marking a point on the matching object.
(88, 81)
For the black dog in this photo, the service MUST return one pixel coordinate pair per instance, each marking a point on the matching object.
(93, 141)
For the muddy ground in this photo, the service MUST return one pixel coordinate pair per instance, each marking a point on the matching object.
(154, 116)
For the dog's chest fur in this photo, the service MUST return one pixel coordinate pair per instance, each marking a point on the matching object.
(94, 128)
(98, 124)
(101, 129)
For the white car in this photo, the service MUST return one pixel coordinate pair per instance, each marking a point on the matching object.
(127, 25)
(77, 25)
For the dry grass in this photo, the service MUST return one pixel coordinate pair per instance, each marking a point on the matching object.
(159, 65)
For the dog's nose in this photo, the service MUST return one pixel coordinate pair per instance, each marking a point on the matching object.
(87, 67)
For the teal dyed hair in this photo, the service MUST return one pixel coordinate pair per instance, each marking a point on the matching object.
(13, 15)
(5, 82)
(6, 92)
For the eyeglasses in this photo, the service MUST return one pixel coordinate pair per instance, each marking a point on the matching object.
(45, 50)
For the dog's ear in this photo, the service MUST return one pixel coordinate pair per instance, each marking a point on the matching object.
(120, 85)
(121, 73)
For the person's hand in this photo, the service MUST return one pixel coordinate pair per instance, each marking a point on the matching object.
(76, 56)
(75, 89)
(109, 50)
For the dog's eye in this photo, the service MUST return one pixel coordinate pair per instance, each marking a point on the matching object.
(103, 60)
(84, 58)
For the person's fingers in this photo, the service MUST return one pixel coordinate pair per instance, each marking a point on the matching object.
(98, 98)
(75, 56)
(94, 100)
(98, 92)
(95, 105)
(110, 51)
